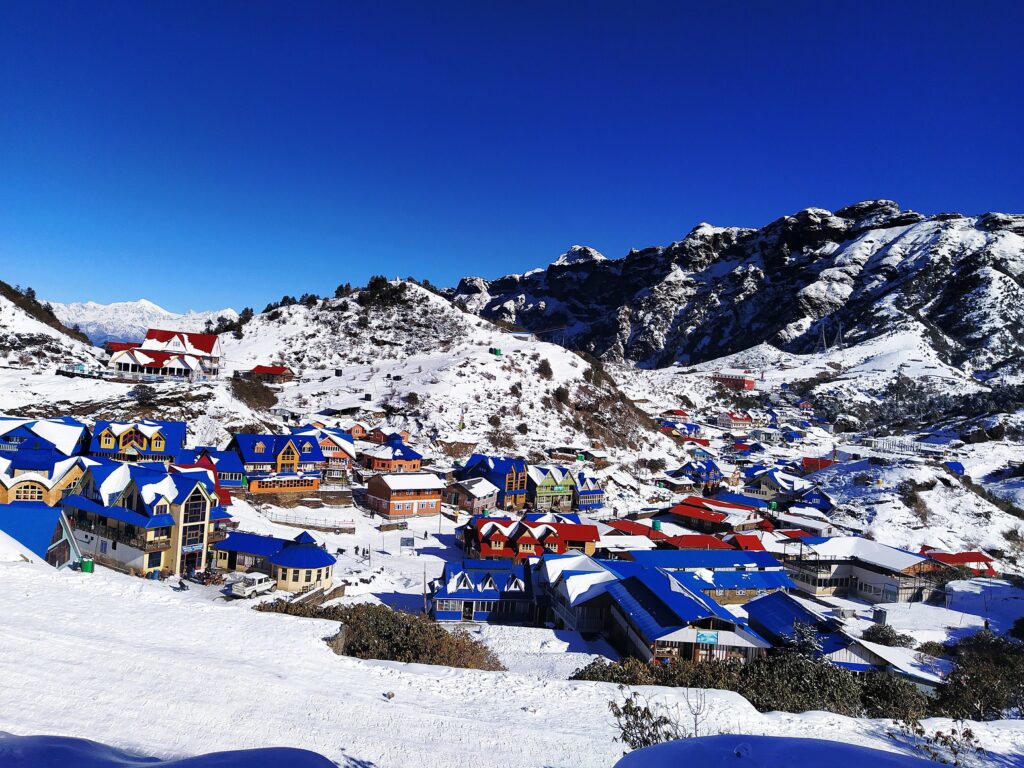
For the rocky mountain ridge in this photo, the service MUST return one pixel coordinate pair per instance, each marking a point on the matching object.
(799, 283)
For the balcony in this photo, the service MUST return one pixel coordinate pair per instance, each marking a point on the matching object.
(156, 545)
(218, 535)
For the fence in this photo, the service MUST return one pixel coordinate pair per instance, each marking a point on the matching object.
(329, 524)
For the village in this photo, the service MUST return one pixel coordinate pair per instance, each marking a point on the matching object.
(341, 505)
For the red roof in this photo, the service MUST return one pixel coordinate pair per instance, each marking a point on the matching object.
(747, 542)
(739, 416)
(978, 562)
(201, 341)
(813, 465)
(697, 541)
(272, 370)
(697, 440)
(634, 528)
(795, 534)
(121, 346)
(697, 513)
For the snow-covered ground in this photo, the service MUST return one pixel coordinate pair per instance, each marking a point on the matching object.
(88, 655)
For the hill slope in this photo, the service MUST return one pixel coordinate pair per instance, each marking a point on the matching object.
(865, 269)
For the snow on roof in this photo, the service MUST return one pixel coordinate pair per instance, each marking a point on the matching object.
(479, 487)
(192, 343)
(413, 481)
(855, 547)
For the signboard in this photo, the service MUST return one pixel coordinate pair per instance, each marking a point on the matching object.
(408, 541)
(707, 638)
(191, 548)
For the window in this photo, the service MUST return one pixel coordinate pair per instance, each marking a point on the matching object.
(309, 576)
(158, 443)
(259, 448)
(306, 448)
(29, 492)
(195, 508)
(160, 509)
(154, 559)
(295, 575)
(107, 441)
(319, 574)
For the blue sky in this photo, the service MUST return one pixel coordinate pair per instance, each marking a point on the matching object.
(221, 154)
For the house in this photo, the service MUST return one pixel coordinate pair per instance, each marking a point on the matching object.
(675, 483)
(694, 541)
(704, 472)
(145, 440)
(146, 519)
(297, 565)
(976, 562)
(714, 516)
(142, 363)
(475, 495)
(776, 617)
(817, 498)
(280, 463)
(857, 567)
(487, 538)
(63, 435)
(810, 464)
(735, 420)
(497, 592)
(735, 379)
(507, 474)
(736, 587)
(269, 374)
(778, 485)
(805, 519)
(43, 530)
(391, 457)
(203, 346)
(655, 616)
(338, 449)
(226, 464)
(38, 476)
(385, 434)
(575, 587)
(286, 414)
(406, 494)
(700, 560)
(549, 487)
(766, 435)
(626, 527)
(357, 430)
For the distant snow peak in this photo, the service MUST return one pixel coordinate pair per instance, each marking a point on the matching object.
(578, 254)
(129, 320)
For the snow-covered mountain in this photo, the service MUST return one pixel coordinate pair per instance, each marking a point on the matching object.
(128, 320)
(32, 337)
(861, 271)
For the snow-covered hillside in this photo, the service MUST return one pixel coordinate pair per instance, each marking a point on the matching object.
(438, 370)
(128, 320)
(28, 343)
(860, 272)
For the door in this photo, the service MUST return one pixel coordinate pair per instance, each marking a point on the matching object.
(467, 610)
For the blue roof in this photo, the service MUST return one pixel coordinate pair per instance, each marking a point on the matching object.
(774, 616)
(173, 433)
(224, 461)
(30, 523)
(680, 559)
(303, 552)
(739, 498)
(123, 514)
(484, 580)
(491, 466)
(29, 459)
(750, 580)
(250, 543)
(658, 604)
(955, 467)
(306, 445)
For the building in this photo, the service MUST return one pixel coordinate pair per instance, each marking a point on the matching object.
(383, 434)
(494, 592)
(475, 495)
(269, 374)
(735, 379)
(507, 474)
(145, 440)
(852, 566)
(655, 616)
(394, 456)
(338, 449)
(64, 436)
(703, 472)
(493, 539)
(135, 362)
(43, 530)
(227, 465)
(575, 587)
(145, 519)
(715, 516)
(38, 476)
(280, 463)
(297, 565)
(549, 488)
(587, 492)
(774, 484)
(205, 347)
(406, 494)
(977, 562)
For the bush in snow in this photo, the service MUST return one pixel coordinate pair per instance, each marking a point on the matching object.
(144, 394)
(629, 671)
(378, 632)
(988, 679)
(642, 723)
(884, 695)
(883, 634)
(253, 393)
(544, 369)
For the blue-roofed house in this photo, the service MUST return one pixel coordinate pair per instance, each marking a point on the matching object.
(704, 472)
(280, 463)
(954, 468)
(656, 616)
(297, 565)
(38, 476)
(230, 471)
(338, 448)
(492, 591)
(707, 559)
(62, 435)
(42, 530)
(509, 475)
(144, 519)
(131, 441)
